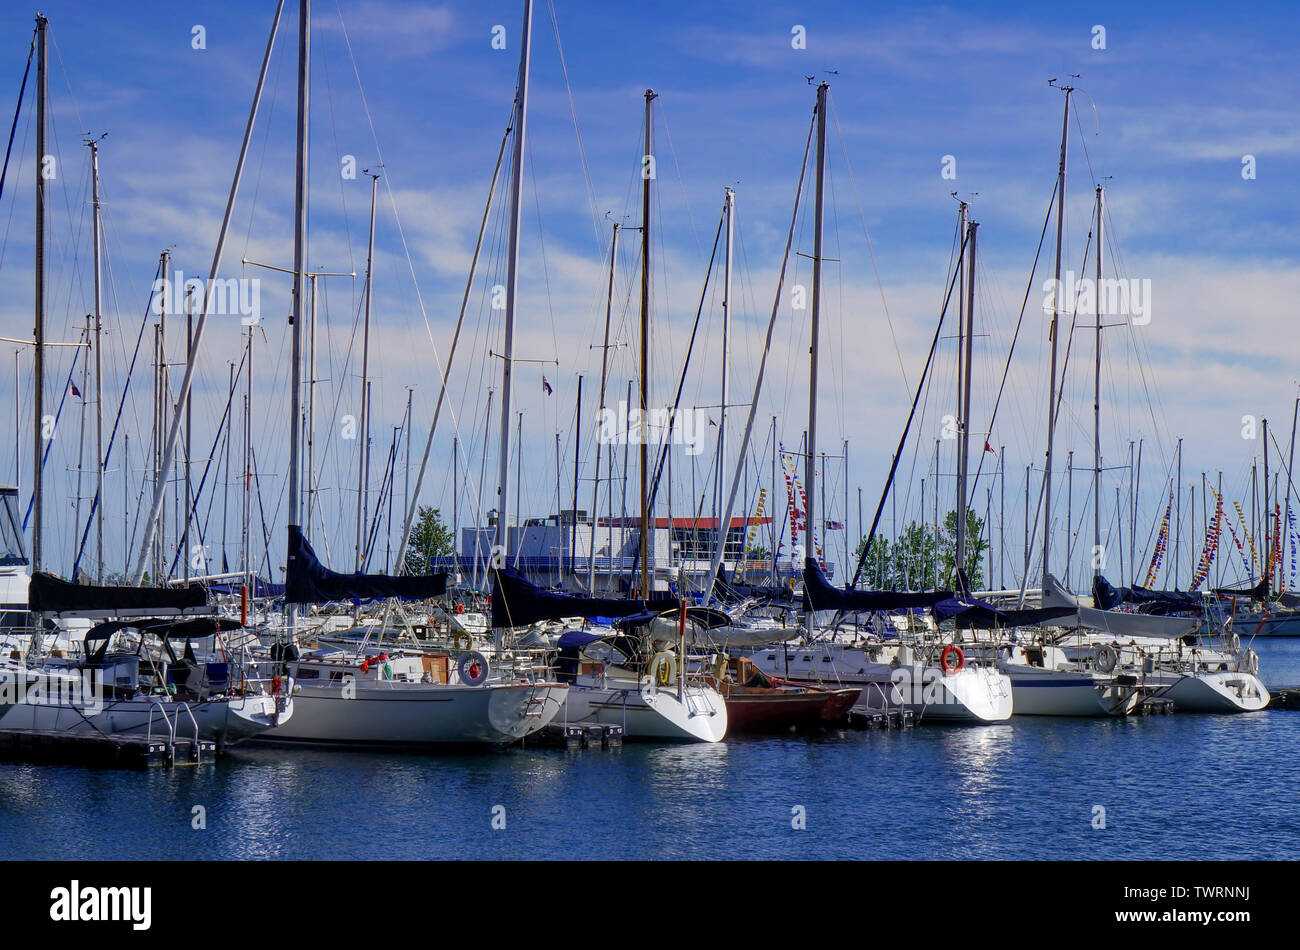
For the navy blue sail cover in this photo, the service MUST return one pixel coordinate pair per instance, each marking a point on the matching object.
(517, 602)
(819, 594)
(973, 611)
(50, 594)
(1106, 596)
(308, 581)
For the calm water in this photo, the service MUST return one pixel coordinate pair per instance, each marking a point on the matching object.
(1181, 786)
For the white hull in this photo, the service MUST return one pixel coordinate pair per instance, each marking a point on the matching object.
(970, 695)
(651, 712)
(225, 721)
(1219, 692)
(1039, 692)
(417, 714)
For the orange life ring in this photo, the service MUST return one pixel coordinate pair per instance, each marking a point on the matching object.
(460, 608)
(950, 652)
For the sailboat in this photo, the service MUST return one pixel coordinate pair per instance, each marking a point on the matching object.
(928, 676)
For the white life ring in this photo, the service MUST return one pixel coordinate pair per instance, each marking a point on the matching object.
(656, 673)
(1105, 658)
(472, 668)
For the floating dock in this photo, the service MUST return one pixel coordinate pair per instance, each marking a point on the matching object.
(102, 750)
(576, 736)
(1286, 698)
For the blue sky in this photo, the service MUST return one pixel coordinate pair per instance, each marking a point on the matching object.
(1181, 94)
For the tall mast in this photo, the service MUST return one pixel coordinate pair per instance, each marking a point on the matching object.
(42, 90)
(363, 460)
(1267, 523)
(965, 341)
(1096, 409)
(728, 209)
(810, 448)
(1052, 334)
(310, 433)
(99, 364)
(299, 275)
(512, 277)
(600, 407)
(647, 173)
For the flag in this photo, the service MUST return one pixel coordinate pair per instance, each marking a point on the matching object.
(546, 387)
(75, 391)
(712, 423)
(835, 526)
(988, 448)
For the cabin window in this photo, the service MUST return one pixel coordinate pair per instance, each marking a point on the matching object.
(336, 676)
(309, 674)
(771, 656)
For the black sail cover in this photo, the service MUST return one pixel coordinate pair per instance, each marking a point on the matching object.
(49, 594)
(820, 594)
(308, 581)
(517, 602)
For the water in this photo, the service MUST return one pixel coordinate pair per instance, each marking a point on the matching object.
(1180, 786)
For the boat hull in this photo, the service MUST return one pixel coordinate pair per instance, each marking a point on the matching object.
(1217, 692)
(380, 714)
(759, 709)
(650, 712)
(1039, 692)
(973, 694)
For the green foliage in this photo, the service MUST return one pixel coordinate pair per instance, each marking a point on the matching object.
(909, 562)
(430, 538)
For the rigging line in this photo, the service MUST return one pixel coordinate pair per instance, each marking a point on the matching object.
(334, 130)
(541, 242)
(690, 218)
(388, 189)
(577, 131)
(49, 443)
(663, 450)
(893, 467)
(871, 251)
(1029, 288)
(4, 243)
(261, 163)
(13, 127)
(213, 455)
(715, 562)
(108, 451)
(451, 353)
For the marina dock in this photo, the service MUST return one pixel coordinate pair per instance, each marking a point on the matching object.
(102, 750)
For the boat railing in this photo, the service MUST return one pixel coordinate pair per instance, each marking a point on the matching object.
(155, 705)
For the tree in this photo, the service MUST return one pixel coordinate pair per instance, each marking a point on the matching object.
(908, 563)
(430, 538)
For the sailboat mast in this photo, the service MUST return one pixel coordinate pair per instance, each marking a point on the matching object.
(965, 338)
(729, 205)
(512, 278)
(810, 448)
(42, 91)
(363, 460)
(647, 174)
(299, 277)
(1096, 409)
(99, 365)
(600, 409)
(1052, 335)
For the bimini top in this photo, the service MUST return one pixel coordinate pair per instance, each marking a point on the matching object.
(48, 594)
(308, 581)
